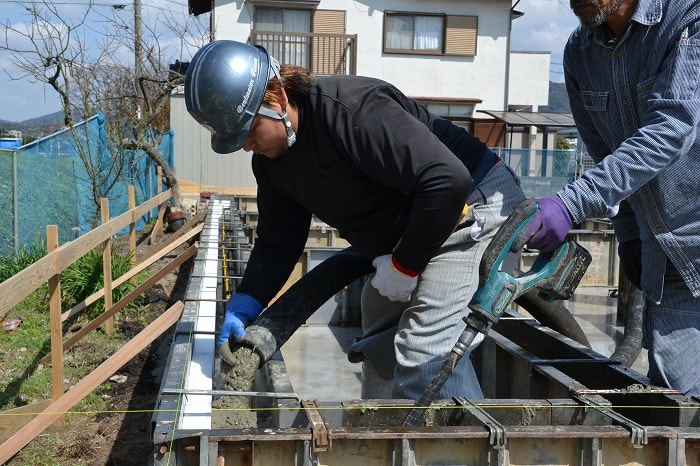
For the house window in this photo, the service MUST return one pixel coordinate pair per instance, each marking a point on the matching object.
(278, 19)
(413, 33)
(430, 34)
(286, 47)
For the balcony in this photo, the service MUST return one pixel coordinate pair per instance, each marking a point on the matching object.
(320, 53)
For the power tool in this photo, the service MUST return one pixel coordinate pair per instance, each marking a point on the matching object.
(555, 274)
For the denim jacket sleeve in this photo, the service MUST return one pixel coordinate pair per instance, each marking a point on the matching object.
(636, 104)
(648, 126)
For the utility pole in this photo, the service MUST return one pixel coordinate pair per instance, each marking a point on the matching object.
(138, 50)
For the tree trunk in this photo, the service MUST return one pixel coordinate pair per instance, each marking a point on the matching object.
(168, 175)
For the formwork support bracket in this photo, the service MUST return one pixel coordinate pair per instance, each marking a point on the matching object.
(320, 434)
(639, 435)
(497, 431)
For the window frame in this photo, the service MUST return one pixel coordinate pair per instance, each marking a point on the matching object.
(459, 34)
(310, 12)
(413, 51)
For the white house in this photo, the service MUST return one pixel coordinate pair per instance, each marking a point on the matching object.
(452, 55)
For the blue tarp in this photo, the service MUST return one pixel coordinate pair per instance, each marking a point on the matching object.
(10, 143)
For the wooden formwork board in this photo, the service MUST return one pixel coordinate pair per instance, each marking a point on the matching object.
(557, 445)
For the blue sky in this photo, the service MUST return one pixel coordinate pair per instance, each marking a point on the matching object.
(24, 99)
(545, 27)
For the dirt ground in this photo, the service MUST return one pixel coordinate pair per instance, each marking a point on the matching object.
(127, 432)
(122, 435)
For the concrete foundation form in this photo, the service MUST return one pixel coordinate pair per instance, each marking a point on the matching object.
(548, 400)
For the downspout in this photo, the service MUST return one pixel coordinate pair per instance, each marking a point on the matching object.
(506, 92)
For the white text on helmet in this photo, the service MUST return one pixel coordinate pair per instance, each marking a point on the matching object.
(253, 73)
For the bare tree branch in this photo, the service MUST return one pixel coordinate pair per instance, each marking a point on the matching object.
(86, 67)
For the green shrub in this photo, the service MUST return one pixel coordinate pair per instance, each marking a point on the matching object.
(14, 263)
(85, 277)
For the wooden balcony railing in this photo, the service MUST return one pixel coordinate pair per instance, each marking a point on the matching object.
(322, 54)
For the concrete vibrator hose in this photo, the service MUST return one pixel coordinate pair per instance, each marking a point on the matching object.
(279, 321)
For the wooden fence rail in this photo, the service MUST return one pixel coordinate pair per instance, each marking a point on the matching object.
(21, 285)
(48, 270)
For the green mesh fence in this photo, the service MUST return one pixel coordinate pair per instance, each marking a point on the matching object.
(59, 179)
(6, 226)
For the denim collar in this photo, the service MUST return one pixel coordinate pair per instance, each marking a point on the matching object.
(648, 12)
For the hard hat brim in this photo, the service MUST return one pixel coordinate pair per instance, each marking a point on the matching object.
(232, 142)
(226, 145)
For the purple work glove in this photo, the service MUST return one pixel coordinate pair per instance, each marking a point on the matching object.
(550, 225)
(241, 310)
(392, 280)
(630, 253)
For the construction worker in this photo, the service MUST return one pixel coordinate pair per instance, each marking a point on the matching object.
(418, 195)
(631, 73)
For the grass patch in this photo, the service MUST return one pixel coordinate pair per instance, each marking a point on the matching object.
(108, 419)
(11, 264)
(23, 378)
(85, 277)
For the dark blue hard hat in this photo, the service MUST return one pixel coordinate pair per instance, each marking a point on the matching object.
(224, 88)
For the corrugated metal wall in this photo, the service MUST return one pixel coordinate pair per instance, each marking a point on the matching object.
(196, 162)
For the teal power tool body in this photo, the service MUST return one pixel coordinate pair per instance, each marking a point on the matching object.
(555, 274)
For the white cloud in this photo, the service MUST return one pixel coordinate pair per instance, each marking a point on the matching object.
(545, 26)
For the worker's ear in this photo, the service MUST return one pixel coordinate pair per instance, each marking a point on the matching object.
(283, 100)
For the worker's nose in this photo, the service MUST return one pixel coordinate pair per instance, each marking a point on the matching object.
(248, 143)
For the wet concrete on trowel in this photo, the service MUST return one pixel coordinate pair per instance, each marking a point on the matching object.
(238, 370)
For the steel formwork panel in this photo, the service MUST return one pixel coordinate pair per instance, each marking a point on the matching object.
(549, 401)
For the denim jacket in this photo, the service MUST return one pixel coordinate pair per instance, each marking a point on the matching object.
(636, 103)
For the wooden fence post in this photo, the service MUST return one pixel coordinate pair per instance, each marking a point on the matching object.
(132, 231)
(107, 266)
(132, 225)
(90, 382)
(55, 316)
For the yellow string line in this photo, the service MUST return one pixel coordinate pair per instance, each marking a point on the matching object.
(370, 407)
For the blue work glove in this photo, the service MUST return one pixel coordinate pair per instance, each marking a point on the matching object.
(550, 225)
(392, 280)
(241, 310)
(630, 253)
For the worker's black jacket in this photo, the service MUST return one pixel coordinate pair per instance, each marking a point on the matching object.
(370, 162)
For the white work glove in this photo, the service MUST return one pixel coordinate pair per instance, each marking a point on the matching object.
(390, 281)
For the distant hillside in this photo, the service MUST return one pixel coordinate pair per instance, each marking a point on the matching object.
(558, 100)
(35, 127)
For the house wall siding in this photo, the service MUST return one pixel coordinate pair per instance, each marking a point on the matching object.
(482, 77)
(194, 160)
(529, 83)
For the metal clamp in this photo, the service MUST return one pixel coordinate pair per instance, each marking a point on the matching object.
(320, 434)
(497, 432)
(639, 434)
